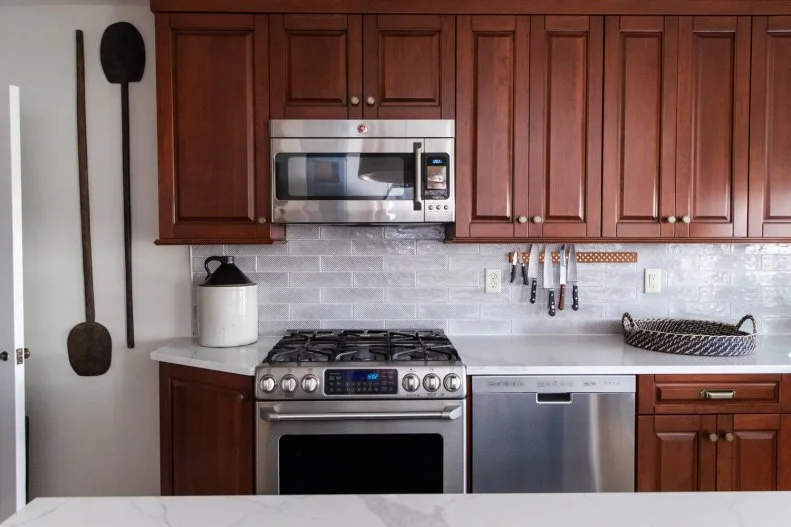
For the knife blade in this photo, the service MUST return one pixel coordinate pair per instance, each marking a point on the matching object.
(514, 256)
(572, 278)
(532, 272)
(549, 279)
(525, 281)
(562, 299)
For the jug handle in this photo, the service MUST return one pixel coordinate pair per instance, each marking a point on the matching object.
(208, 261)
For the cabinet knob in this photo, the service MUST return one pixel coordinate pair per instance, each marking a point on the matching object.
(538, 219)
(671, 219)
(261, 220)
(370, 101)
(242, 397)
(355, 100)
(522, 219)
(729, 437)
(685, 219)
(713, 438)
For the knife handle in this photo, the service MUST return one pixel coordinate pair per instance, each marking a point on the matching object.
(533, 291)
(551, 302)
(562, 299)
(513, 273)
(524, 276)
(575, 298)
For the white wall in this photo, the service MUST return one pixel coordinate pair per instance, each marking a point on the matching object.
(89, 436)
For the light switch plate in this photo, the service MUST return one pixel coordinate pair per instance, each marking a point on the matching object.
(493, 281)
(653, 281)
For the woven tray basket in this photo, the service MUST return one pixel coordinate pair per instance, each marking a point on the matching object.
(690, 337)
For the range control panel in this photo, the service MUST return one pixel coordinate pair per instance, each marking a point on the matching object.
(352, 382)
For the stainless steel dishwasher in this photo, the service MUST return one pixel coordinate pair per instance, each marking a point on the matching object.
(553, 434)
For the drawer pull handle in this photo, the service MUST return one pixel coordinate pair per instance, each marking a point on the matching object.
(718, 394)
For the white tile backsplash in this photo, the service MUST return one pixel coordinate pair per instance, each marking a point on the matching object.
(400, 277)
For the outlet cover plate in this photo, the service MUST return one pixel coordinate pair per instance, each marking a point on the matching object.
(653, 281)
(493, 281)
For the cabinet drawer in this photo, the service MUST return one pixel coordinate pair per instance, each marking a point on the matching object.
(710, 394)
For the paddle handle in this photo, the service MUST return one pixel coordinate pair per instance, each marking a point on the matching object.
(130, 324)
(85, 200)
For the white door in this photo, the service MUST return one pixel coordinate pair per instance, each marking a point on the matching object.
(12, 342)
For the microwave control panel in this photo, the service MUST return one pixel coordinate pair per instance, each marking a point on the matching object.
(436, 177)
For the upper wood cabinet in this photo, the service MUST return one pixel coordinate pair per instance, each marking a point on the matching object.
(213, 111)
(350, 66)
(770, 128)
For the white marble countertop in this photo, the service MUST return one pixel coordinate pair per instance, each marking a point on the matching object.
(745, 509)
(522, 355)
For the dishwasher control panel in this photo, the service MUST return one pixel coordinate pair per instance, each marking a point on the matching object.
(554, 384)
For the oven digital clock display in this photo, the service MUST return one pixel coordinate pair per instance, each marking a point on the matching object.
(354, 381)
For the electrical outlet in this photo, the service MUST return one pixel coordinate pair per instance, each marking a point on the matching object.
(493, 281)
(653, 280)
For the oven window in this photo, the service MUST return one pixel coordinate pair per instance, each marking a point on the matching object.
(379, 177)
(361, 464)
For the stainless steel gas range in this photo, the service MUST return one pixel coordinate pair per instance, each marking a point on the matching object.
(361, 412)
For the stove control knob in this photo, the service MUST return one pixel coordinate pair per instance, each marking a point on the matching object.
(309, 383)
(452, 382)
(289, 384)
(267, 384)
(411, 383)
(431, 383)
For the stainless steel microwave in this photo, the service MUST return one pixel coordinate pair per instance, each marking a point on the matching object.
(350, 171)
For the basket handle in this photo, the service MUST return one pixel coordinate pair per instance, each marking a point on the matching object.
(628, 322)
(744, 319)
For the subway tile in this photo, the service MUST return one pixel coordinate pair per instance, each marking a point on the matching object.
(288, 295)
(542, 327)
(726, 294)
(501, 250)
(479, 327)
(417, 263)
(392, 248)
(687, 278)
(385, 311)
(400, 279)
(598, 327)
(730, 262)
(352, 324)
(772, 294)
(321, 312)
(588, 278)
(277, 328)
(257, 250)
(666, 261)
(608, 294)
(269, 279)
(287, 263)
(204, 251)
(352, 263)
(436, 247)
(587, 311)
(320, 247)
(760, 278)
(776, 262)
(699, 310)
(652, 310)
(273, 312)
(245, 263)
(417, 232)
(477, 295)
(778, 326)
(763, 248)
(350, 232)
(698, 248)
(448, 311)
(449, 278)
(302, 232)
(688, 293)
(761, 310)
(320, 279)
(352, 295)
(416, 294)
(416, 324)
(513, 311)
(623, 278)
(479, 263)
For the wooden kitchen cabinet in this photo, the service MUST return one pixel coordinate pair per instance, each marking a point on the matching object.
(213, 111)
(770, 128)
(206, 432)
(339, 66)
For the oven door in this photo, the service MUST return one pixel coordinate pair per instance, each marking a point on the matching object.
(351, 180)
(361, 447)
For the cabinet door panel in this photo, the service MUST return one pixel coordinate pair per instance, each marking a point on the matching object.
(639, 126)
(491, 128)
(565, 125)
(209, 187)
(674, 453)
(317, 66)
(713, 106)
(750, 462)
(409, 65)
(770, 128)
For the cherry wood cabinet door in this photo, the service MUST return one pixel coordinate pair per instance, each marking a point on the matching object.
(675, 453)
(213, 178)
(713, 126)
(409, 66)
(770, 128)
(565, 126)
(492, 126)
(206, 428)
(639, 174)
(316, 63)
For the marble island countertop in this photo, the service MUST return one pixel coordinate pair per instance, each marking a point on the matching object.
(747, 509)
(523, 355)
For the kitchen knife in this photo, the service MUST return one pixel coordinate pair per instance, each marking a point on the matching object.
(532, 272)
(549, 279)
(514, 256)
(572, 278)
(562, 299)
(525, 281)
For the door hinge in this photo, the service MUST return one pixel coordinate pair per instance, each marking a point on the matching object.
(20, 356)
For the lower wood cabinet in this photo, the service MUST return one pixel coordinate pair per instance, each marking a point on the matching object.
(206, 432)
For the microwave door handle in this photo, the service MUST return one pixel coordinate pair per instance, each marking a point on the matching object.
(271, 414)
(418, 150)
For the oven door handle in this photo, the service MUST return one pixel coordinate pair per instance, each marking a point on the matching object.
(418, 151)
(271, 414)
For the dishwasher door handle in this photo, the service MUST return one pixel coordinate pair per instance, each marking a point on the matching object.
(554, 398)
